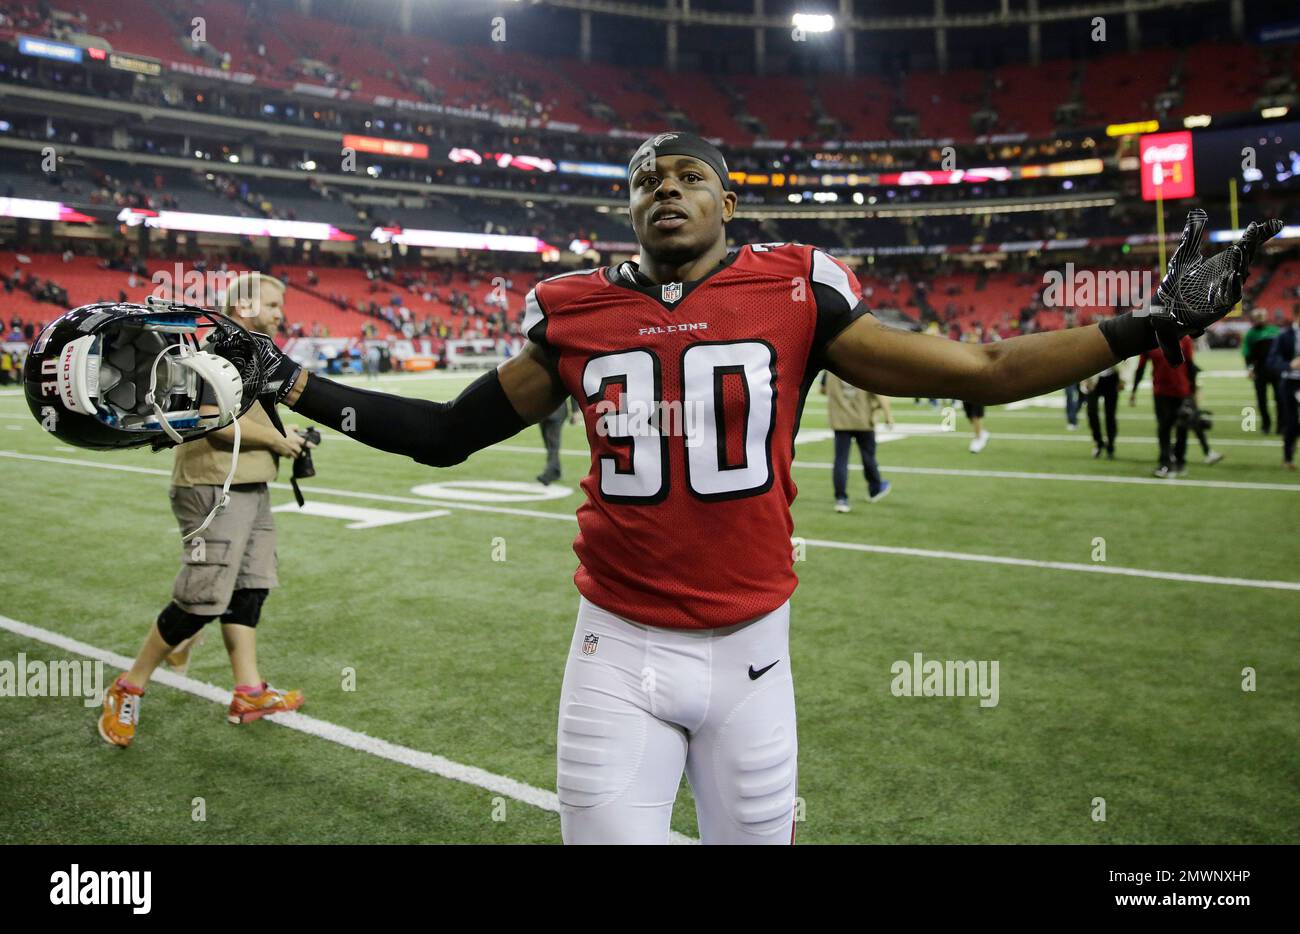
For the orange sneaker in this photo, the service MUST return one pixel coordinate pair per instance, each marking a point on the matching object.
(179, 659)
(247, 707)
(121, 713)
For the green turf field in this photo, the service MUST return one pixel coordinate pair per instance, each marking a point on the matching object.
(1122, 686)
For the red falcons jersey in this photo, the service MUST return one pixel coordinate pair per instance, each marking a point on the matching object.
(691, 393)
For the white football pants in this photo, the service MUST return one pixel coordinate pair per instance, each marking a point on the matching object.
(644, 703)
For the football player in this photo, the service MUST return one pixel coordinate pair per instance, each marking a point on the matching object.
(691, 368)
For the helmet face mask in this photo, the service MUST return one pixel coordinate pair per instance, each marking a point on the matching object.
(121, 375)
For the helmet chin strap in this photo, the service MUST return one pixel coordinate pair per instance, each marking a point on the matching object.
(225, 490)
(193, 361)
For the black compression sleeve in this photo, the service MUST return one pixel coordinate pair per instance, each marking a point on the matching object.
(440, 434)
(1128, 334)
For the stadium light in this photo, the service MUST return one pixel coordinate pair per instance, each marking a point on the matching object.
(1132, 129)
(813, 22)
(41, 210)
(1229, 236)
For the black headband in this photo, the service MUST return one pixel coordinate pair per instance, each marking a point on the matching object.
(680, 144)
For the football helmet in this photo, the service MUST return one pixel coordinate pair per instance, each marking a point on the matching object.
(121, 375)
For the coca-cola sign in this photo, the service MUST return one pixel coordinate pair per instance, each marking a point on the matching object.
(1166, 165)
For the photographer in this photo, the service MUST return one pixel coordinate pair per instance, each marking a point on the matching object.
(1196, 419)
(228, 569)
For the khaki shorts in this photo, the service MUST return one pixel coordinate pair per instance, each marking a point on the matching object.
(235, 552)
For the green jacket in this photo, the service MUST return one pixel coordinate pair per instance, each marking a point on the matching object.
(1262, 336)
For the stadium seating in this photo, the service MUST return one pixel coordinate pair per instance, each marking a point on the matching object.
(1122, 87)
(1282, 293)
(779, 102)
(862, 104)
(310, 305)
(232, 27)
(82, 277)
(1232, 84)
(280, 45)
(703, 101)
(944, 102)
(1117, 87)
(135, 26)
(1025, 97)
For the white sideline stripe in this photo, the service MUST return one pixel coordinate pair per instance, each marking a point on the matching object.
(927, 416)
(993, 474)
(467, 376)
(1083, 436)
(352, 494)
(322, 729)
(810, 435)
(416, 501)
(851, 546)
(1059, 565)
(1081, 478)
(75, 462)
(569, 517)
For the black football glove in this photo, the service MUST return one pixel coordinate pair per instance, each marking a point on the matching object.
(281, 370)
(277, 372)
(1196, 292)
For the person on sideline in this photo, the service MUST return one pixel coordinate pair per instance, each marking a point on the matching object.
(1171, 385)
(227, 571)
(1284, 359)
(854, 414)
(1256, 345)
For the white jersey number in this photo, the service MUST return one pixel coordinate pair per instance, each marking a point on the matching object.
(645, 422)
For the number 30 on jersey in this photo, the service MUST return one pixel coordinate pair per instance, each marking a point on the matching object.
(704, 369)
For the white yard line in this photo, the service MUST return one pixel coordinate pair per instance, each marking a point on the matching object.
(851, 546)
(990, 474)
(1082, 437)
(382, 497)
(923, 416)
(322, 729)
(1062, 565)
(1079, 478)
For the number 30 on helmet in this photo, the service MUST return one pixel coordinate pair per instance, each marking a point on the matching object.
(122, 375)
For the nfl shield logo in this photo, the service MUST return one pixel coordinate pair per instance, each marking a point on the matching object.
(672, 292)
(589, 643)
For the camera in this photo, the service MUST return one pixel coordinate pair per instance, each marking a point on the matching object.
(302, 465)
